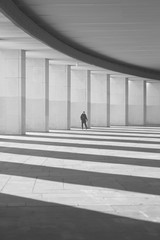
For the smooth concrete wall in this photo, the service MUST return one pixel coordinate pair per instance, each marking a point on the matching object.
(135, 102)
(98, 100)
(35, 95)
(78, 95)
(153, 103)
(12, 90)
(117, 101)
(58, 97)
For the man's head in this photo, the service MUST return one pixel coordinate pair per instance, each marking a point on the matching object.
(83, 111)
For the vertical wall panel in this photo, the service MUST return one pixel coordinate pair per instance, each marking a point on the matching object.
(12, 92)
(58, 89)
(136, 102)
(108, 100)
(89, 98)
(126, 101)
(144, 102)
(153, 103)
(98, 99)
(78, 96)
(36, 94)
(117, 86)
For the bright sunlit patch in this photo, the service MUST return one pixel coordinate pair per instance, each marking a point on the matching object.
(128, 129)
(38, 173)
(57, 137)
(87, 143)
(79, 150)
(113, 130)
(116, 133)
(117, 202)
(84, 166)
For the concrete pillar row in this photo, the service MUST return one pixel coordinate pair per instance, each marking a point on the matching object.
(37, 95)
(12, 91)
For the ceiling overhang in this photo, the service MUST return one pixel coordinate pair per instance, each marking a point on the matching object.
(10, 9)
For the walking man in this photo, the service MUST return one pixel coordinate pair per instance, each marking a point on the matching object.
(84, 119)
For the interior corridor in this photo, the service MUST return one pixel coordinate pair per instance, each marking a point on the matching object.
(96, 184)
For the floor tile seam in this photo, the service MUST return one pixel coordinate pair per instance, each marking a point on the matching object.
(6, 183)
(33, 187)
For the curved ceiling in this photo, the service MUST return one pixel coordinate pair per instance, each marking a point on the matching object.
(120, 35)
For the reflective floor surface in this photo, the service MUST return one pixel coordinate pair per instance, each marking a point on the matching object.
(96, 184)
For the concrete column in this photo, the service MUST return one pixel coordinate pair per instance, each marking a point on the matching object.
(37, 99)
(68, 97)
(108, 100)
(144, 102)
(126, 101)
(117, 101)
(136, 102)
(89, 98)
(46, 95)
(78, 95)
(153, 103)
(98, 99)
(12, 91)
(59, 92)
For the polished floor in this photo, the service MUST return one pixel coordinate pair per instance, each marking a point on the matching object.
(97, 184)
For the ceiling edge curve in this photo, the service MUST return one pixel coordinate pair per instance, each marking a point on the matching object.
(11, 11)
